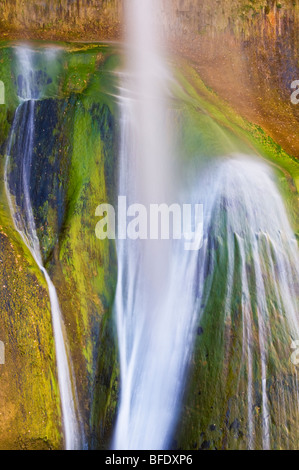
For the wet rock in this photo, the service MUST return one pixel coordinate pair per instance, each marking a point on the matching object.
(199, 331)
(205, 445)
(235, 426)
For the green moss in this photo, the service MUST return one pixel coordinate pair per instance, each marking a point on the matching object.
(229, 132)
(31, 415)
(75, 164)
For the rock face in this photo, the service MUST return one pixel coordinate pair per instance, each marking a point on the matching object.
(215, 412)
(30, 414)
(103, 19)
(247, 53)
(246, 50)
(63, 19)
(75, 140)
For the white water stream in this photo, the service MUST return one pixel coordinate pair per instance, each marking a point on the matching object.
(22, 138)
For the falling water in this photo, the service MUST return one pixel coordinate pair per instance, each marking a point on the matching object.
(249, 246)
(155, 300)
(22, 141)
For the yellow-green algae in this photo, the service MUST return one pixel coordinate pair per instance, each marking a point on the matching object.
(214, 412)
(82, 268)
(78, 173)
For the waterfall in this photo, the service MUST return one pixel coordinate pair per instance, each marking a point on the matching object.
(250, 247)
(163, 290)
(156, 302)
(22, 139)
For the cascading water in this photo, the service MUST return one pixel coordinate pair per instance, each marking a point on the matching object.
(156, 302)
(21, 142)
(163, 290)
(250, 247)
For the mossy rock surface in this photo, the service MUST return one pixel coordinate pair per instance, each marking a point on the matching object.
(74, 169)
(72, 172)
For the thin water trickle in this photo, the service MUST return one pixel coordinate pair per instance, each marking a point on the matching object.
(22, 139)
(163, 289)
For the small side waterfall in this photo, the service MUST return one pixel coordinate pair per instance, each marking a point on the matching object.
(251, 249)
(22, 141)
(248, 311)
